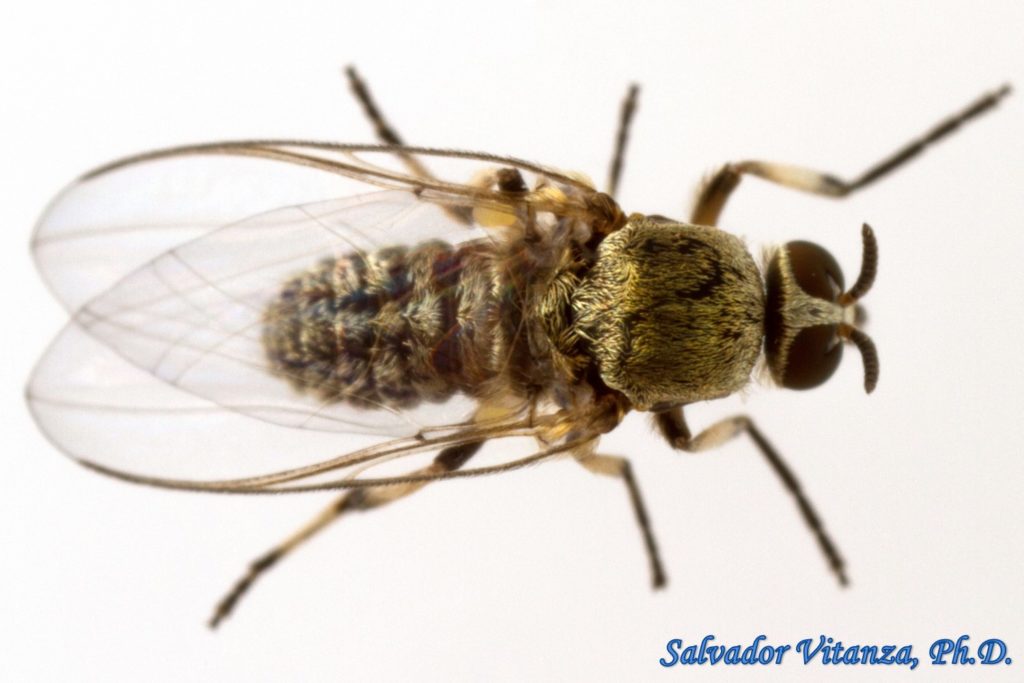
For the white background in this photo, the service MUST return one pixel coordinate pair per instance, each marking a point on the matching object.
(540, 574)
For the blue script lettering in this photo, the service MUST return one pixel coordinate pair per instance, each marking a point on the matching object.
(988, 652)
(673, 646)
(805, 646)
(758, 652)
(831, 651)
(944, 646)
(703, 657)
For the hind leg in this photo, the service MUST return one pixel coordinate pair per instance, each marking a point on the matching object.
(357, 500)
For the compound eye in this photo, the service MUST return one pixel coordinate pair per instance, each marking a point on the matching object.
(815, 270)
(813, 357)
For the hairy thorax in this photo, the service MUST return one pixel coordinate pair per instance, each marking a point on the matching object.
(673, 313)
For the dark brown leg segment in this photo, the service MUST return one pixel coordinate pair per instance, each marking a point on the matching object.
(673, 428)
(448, 460)
(622, 137)
(619, 467)
(715, 192)
(385, 132)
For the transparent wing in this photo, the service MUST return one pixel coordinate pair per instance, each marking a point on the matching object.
(162, 369)
(119, 216)
(194, 316)
(102, 227)
(118, 419)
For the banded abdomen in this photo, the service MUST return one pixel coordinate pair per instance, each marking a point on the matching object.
(394, 327)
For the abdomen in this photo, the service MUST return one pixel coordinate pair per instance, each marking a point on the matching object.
(391, 328)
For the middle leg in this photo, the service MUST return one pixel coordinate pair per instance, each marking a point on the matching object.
(384, 130)
(614, 466)
(621, 138)
(673, 427)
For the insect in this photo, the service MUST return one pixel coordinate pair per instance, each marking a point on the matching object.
(431, 312)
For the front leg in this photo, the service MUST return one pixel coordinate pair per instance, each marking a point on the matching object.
(715, 192)
(673, 427)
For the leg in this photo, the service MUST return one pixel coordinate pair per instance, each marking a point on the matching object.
(713, 195)
(385, 133)
(619, 467)
(448, 460)
(673, 428)
(625, 118)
